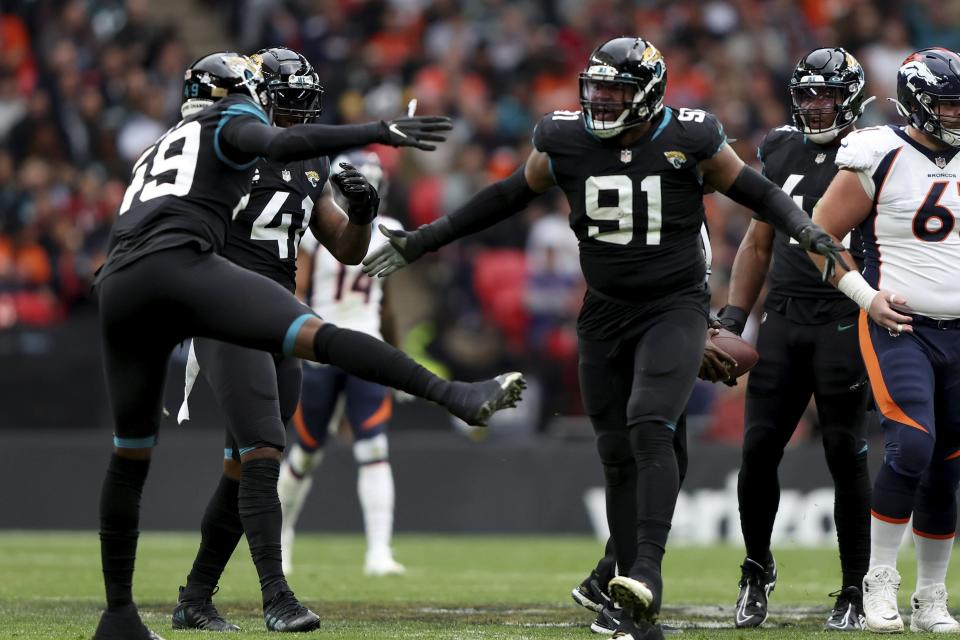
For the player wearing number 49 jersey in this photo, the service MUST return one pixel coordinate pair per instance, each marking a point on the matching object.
(807, 344)
(634, 173)
(164, 282)
(901, 185)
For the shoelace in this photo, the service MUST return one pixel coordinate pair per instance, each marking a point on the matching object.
(887, 590)
(937, 605)
(283, 605)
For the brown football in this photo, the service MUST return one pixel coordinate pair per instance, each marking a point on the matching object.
(739, 349)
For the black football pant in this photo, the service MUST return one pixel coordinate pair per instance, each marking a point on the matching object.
(634, 391)
(150, 306)
(257, 391)
(797, 361)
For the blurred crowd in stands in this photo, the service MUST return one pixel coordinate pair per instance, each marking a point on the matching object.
(85, 86)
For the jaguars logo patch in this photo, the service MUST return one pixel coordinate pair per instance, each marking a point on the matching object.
(676, 158)
(313, 177)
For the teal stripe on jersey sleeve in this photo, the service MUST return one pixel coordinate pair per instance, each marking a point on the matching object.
(241, 109)
(667, 115)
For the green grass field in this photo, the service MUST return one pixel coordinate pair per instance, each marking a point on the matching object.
(460, 587)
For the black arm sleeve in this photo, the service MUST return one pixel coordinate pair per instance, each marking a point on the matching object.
(486, 208)
(768, 201)
(248, 137)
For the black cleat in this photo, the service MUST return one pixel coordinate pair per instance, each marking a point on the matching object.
(199, 615)
(608, 621)
(475, 402)
(590, 595)
(756, 584)
(847, 614)
(637, 599)
(123, 623)
(285, 613)
(630, 630)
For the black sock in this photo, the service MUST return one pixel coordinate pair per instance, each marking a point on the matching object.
(621, 495)
(758, 485)
(119, 522)
(607, 567)
(260, 513)
(220, 531)
(375, 360)
(851, 510)
(658, 483)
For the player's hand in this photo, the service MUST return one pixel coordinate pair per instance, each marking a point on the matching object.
(362, 199)
(716, 363)
(813, 238)
(403, 248)
(415, 131)
(885, 311)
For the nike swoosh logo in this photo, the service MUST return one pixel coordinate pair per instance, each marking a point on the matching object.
(397, 131)
(844, 327)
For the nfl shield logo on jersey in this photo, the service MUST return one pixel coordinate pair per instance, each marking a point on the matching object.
(285, 174)
(626, 156)
(941, 161)
(820, 158)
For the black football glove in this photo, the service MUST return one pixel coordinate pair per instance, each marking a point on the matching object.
(415, 131)
(403, 248)
(813, 238)
(362, 199)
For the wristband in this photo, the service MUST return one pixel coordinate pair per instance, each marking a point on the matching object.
(857, 289)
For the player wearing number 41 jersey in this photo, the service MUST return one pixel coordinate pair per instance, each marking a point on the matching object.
(807, 344)
(634, 173)
(901, 185)
(164, 282)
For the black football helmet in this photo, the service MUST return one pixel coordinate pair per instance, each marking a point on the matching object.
(927, 80)
(622, 86)
(220, 74)
(826, 93)
(293, 84)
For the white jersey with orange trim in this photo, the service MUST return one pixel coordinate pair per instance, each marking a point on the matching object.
(343, 294)
(911, 237)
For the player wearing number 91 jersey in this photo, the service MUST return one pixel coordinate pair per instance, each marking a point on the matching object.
(634, 173)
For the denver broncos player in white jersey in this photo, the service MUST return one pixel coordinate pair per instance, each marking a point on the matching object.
(345, 295)
(902, 186)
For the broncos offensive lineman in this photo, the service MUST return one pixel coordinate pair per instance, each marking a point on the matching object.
(901, 185)
(634, 173)
(163, 282)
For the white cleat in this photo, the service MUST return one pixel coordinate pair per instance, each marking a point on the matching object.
(379, 566)
(880, 587)
(930, 611)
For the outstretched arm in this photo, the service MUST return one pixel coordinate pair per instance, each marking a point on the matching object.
(845, 205)
(748, 275)
(744, 185)
(246, 137)
(489, 206)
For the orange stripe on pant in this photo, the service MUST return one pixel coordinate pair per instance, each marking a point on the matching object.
(301, 426)
(381, 415)
(885, 402)
(888, 518)
(934, 536)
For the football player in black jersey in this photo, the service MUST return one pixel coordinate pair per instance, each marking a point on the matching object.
(259, 390)
(634, 173)
(808, 343)
(164, 281)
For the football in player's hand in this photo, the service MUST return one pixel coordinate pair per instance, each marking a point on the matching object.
(739, 349)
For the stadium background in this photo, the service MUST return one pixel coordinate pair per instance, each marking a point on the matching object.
(86, 85)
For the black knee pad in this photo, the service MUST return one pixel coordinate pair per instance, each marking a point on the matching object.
(618, 474)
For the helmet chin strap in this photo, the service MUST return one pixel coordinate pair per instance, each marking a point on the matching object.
(824, 137)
